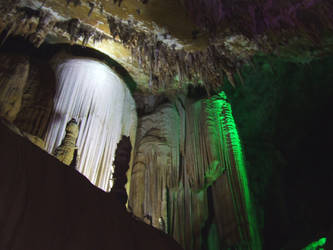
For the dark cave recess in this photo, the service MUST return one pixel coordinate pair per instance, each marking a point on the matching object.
(283, 114)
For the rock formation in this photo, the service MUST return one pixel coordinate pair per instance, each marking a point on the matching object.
(102, 106)
(121, 163)
(13, 79)
(188, 175)
(65, 152)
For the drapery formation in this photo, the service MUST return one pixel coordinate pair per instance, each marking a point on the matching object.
(188, 176)
(41, 99)
(89, 92)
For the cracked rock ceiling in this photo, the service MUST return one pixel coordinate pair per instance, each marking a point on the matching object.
(167, 44)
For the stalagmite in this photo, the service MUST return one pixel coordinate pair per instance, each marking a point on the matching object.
(65, 152)
(89, 92)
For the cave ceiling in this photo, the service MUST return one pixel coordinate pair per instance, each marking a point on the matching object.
(165, 45)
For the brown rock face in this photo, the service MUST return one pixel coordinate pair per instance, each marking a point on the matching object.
(14, 71)
(37, 99)
(26, 94)
(65, 152)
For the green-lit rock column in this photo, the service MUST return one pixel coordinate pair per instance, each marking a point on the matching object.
(222, 129)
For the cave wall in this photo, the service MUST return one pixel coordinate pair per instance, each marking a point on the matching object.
(27, 89)
(37, 99)
(283, 116)
(14, 74)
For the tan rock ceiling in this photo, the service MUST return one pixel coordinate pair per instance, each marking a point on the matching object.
(156, 42)
(166, 18)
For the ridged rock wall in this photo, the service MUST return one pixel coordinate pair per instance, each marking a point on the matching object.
(188, 176)
(26, 93)
(14, 71)
(37, 100)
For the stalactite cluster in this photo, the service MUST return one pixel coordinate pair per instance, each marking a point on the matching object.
(36, 24)
(32, 24)
(165, 63)
(78, 30)
(168, 67)
(209, 189)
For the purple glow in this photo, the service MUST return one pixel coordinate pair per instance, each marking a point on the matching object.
(258, 18)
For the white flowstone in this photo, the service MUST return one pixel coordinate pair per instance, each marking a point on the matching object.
(88, 91)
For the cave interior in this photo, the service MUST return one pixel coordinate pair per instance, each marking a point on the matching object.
(151, 124)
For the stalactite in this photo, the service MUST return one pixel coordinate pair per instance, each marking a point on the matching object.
(75, 2)
(45, 24)
(91, 6)
(78, 30)
(254, 28)
(104, 109)
(36, 24)
(29, 23)
(164, 63)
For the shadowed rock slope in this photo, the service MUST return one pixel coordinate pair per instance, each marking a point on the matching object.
(47, 205)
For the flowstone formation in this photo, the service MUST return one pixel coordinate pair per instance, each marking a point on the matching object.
(104, 109)
(189, 177)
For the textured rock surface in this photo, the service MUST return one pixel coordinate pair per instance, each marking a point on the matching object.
(165, 52)
(26, 95)
(187, 179)
(37, 100)
(65, 152)
(14, 73)
(46, 205)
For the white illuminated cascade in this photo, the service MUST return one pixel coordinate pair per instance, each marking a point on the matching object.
(90, 92)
